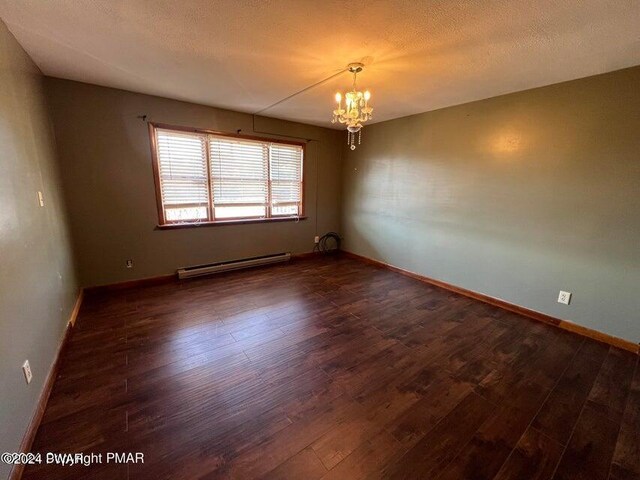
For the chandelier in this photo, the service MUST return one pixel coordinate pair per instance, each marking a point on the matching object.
(356, 109)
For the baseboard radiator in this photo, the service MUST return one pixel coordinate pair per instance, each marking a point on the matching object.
(201, 270)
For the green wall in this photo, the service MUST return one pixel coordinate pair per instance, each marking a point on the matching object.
(37, 279)
(516, 197)
(106, 163)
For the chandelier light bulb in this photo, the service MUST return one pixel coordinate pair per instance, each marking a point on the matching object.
(338, 97)
(367, 95)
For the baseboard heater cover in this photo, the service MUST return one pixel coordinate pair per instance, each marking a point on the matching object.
(200, 270)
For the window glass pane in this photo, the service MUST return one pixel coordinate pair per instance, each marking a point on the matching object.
(285, 210)
(185, 214)
(240, 212)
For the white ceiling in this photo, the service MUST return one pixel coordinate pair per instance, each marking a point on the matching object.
(248, 54)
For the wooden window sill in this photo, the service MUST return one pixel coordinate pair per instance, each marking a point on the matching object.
(220, 223)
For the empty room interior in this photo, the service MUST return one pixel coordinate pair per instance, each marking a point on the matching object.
(290, 239)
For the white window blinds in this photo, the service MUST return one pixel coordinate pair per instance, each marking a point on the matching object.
(286, 175)
(206, 177)
(239, 172)
(182, 165)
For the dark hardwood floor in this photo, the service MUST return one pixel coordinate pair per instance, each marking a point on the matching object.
(331, 368)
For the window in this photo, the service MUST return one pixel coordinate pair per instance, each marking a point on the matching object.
(204, 177)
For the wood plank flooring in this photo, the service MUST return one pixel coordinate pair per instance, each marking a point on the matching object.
(330, 368)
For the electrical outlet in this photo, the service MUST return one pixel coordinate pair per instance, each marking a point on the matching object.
(26, 369)
(129, 263)
(316, 239)
(564, 297)
(41, 199)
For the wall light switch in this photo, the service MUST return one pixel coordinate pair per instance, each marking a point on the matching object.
(41, 199)
(26, 369)
(564, 297)
(129, 263)
(316, 239)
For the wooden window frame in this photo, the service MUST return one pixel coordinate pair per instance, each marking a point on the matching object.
(211, 221)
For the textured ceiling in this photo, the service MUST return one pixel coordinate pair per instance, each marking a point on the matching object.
(246, 55)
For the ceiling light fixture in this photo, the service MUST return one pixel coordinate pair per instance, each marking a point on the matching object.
(356, 111)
